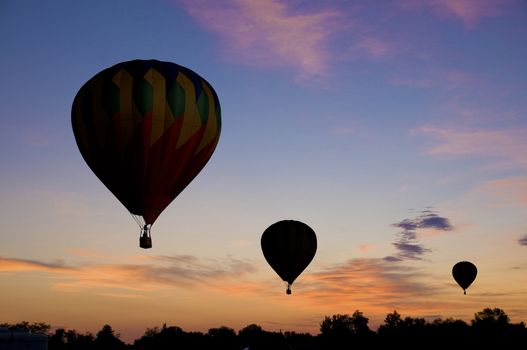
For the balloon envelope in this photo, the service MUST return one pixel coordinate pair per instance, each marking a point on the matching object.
(464, 273)
(146, 128)
(289, 246)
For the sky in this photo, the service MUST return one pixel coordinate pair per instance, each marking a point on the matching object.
(395, 129)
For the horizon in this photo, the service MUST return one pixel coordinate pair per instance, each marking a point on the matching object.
(396, 131)
(330, 326)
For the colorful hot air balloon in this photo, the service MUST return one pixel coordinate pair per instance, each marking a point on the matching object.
(146, 128)
(289, 246)
(464, 273)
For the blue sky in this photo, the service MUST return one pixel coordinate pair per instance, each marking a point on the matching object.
(351, 116)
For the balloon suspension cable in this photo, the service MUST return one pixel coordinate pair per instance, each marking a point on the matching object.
(138, 221)
(464, 292)
(288, 291)
(145, 230)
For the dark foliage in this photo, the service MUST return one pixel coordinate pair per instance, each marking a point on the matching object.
(490, 328)
(36, 327)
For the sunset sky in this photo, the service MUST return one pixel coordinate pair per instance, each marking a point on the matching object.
(396, 129)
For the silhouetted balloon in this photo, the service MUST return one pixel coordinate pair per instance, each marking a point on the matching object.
(146, 128)
(289, 246)
(464, 273)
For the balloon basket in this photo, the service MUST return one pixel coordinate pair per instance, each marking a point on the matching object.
(145, 242)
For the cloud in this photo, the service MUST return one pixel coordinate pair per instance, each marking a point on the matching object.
(372, 46)
(407, 244)
(408, 226)
(370, 282)
(409, 250)
(511, 191)
(470, 12)
(14, 265)
(364, 248)
(158, 272)
(427, 219)
(434, 221)
(269, 33)
(392, 259)
(507, 145)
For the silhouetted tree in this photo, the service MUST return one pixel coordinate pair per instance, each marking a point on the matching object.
(222, 332)
(35, 327)
(255, 338)
(490, 328)
(449, 327)
(106, 339)
(447, 332)
(222, 338)
(490, 318)
(345, 325)
(360, 323)
(152, 332)
(337, 326)
(392, 323)
(162, 339)
(57, 340)
(70, 340)
(252, 330)
(301, 341)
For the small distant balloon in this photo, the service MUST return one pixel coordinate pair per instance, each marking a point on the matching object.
(146, 128)
(289, 246)
(464, 273)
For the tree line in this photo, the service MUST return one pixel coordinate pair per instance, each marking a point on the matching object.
(490, 327)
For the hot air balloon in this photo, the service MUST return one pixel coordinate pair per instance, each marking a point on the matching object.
(464, 273)
(289, 246)
(146, 128)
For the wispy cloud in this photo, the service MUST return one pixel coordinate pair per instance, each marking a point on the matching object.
(269, 33)
(510, 191)
(15, 265)
(368, 282)
(410, 249)
(507, 145)
(407, 244)
(154, 273)
(368, 45)
(523, 240)
(470, 12)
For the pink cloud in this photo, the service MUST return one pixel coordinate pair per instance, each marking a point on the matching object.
(374, 284)
(509, 146)
(510, 191)
(133, 278)
(457, 78)
(374, 47)
(365, 248)
(24, 265)
(267, 33)
(470, 12)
